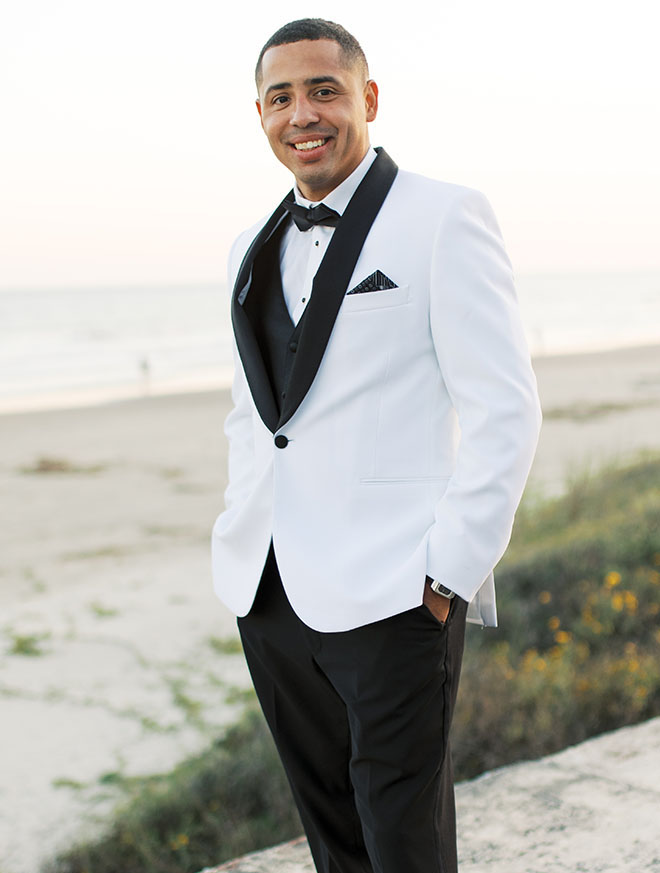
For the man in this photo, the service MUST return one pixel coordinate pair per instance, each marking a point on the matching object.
(385, 421)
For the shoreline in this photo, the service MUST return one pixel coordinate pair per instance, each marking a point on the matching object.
(88, 399)
(211, 384)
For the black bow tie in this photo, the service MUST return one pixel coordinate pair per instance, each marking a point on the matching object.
(306, 217)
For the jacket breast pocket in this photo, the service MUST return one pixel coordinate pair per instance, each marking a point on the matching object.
(371, 300)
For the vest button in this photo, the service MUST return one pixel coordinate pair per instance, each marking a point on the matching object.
(281, 441)
(293, 346)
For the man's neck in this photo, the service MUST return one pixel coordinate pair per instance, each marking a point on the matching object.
(340, 195)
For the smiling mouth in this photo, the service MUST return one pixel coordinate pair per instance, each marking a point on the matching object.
(310, 144)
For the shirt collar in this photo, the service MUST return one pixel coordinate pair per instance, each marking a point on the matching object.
(339, 197)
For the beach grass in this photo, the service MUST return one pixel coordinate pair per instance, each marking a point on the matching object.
(218, 804)
(26, 644)
(578, 653)
(47, 464)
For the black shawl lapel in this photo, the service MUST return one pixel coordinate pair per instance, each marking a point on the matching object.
(332, 278)
(248, 347)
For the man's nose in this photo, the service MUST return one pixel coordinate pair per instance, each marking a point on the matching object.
(304, 113)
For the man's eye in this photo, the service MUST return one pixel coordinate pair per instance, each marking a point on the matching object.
(281, 98)
(324, 92)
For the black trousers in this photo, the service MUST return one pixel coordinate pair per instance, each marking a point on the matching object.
(361, 722)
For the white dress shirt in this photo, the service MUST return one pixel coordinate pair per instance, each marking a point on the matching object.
(301, 252)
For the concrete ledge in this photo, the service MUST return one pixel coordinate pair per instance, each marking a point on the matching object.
(592, 808)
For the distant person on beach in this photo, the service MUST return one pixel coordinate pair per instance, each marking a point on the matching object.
(385, 420)
(145, 372)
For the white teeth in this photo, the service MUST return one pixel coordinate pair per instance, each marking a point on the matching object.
(305, 146)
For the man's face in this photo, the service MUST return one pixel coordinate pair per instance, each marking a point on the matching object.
(314, 111)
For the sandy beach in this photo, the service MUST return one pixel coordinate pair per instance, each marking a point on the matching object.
(115, 657)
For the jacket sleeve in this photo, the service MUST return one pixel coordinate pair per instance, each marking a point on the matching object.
(484, 360)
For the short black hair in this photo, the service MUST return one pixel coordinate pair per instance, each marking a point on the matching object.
(313, 29)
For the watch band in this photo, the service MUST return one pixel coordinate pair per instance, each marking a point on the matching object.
(440, 589)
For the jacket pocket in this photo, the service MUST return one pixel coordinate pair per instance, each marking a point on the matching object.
(436, 621)
(376, 299)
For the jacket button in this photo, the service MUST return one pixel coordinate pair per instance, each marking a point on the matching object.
(293, 346)
(281, 441)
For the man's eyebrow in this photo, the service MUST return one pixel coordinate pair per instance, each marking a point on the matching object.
(319, 80)
(316, 80)
(279, 87)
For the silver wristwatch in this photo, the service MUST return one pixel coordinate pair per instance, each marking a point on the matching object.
(440, 589)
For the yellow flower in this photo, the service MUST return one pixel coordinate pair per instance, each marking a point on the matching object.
(641, 692)
(545, 597)
(529, 657)
(633, 665)
(563, 637)
(612, 579)
(540, 664)
(617, 601)
(553, 623)
(179, 841)
(630, 601)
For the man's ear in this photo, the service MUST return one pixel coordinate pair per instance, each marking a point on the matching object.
(258, 105)
(371, 99)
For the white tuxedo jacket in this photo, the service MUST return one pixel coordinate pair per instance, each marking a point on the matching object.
(413, 417)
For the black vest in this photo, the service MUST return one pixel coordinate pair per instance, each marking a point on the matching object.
(278, 358)
(266, 308)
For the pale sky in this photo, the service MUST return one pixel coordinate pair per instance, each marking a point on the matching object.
(131, 151)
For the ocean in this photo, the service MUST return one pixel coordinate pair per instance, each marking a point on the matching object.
(74, 346)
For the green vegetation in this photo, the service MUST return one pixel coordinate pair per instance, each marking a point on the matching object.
(587, 411)
(578, 653)
(102, 611)
(26, 644)
(63, 782)
(191, 708)
(226, 645)
(213, 807)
